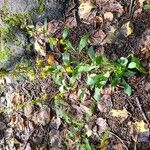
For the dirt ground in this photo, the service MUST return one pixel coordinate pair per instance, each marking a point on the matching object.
(41, 123)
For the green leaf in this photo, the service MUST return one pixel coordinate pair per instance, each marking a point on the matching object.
(129, 73)
(91, 53)
(127, 88)
(66, 58)
(83, 42)
(138, 64)
(132, 65)
(87, 145)
(65, 32)
(115, 81)
(123, 61)
(98, 80)
(147, 6)
(69, 45)
(53, 42)
(86, 68)
(97, 94)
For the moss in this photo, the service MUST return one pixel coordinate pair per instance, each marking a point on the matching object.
(4, 52)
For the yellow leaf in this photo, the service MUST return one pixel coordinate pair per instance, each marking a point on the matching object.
(68, 69)
(85, 8)
(119, 113)
(127, 29)
(141, 126)
(50, 59)
(89, 133)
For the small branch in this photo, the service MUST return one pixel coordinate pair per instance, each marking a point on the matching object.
(140, 107)
(119, 139)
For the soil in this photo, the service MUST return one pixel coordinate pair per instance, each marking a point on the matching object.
(30, 133)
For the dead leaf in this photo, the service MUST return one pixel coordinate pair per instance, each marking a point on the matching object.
(105, 105)
(15, 100)
(108, 16)
(127, 29)
(40, 48)
(120, 114)
(50, 59)
(43, 117)
(71, 22)
(118, 146)
(102, 125)
(97, 21)
(97, 37)
(55, 122)
(113, 6)
(28, 109)
(84, 9)
(54, 26)
(141, 126)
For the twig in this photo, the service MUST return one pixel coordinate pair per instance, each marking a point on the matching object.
(143, 114)
(119, 139)
(130, 7)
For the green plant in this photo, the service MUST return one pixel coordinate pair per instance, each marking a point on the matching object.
(97, 71)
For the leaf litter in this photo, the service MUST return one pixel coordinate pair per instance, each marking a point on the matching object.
(46, 118)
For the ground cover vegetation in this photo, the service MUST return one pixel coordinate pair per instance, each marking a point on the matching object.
(83, 81)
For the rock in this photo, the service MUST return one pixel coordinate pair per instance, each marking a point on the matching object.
(52, 9)
(11, 51)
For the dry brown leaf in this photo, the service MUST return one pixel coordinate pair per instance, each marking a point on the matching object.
(97, 21)
(108, 16)
(40, 48)
(71, 22)
(15, 100)
(113, 6)
(43, 117)
(118, 146)
(50, 59)
(105, 105)
(84, 9)
(28, 109)
(120, 114)
(54, 26)
(102, 125)
(97, 37)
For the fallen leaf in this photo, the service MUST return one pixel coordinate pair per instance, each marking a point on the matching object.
(97, 37)
(84, 9)
(102, 125)
(108, 16)
(105, 105)
(120, 114)
(71, 22)
(127, 29)
(43, 117)
(141, 126)
(28, 109)
(15, 100)
(54, 26)
(118, 146)
(98, 21)
(40, 48)
(50, 59)
(141, 2)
